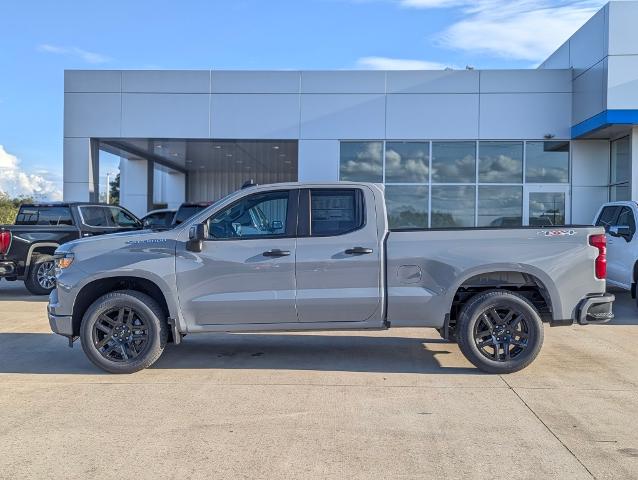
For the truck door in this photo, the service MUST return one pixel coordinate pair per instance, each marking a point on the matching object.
(245, 272)
(338, 255)
(621, 254)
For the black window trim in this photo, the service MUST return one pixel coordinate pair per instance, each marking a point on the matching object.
(304, 228)
(291, 216)
(614, 218)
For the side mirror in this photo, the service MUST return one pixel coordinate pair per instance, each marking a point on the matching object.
(620, 231)
(196, 236)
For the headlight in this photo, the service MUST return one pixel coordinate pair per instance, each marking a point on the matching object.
(63, 260)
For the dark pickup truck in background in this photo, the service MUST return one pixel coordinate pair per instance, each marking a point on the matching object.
(26, 248)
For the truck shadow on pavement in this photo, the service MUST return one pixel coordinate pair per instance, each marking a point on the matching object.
(43, 353)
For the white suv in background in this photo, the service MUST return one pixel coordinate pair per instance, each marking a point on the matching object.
(619, 220)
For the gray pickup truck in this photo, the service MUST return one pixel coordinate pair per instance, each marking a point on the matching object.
(296, 256)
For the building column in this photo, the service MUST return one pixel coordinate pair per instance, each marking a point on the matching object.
(633, 148)
(134, 185)
(80, 168)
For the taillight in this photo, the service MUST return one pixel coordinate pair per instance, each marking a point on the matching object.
(5, 241)
(600, 242)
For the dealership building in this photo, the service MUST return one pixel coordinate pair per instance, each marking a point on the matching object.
(454, 148)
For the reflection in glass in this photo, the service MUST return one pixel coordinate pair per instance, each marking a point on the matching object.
(407, 206)
(500, 206)
(453, 162)
(546, 208)
(453, 206)
(361, 161)
(547, 162)
(501, 162)
(407, 162)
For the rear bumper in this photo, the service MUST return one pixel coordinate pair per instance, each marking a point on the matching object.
(7, 269)
(594, 310)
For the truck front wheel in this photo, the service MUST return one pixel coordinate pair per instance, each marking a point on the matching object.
(124, 331)
(499, 331)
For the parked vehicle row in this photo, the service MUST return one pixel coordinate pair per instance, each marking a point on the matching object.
(27, 247)
(298, 256)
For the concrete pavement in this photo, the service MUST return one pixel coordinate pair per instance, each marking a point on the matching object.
(395, 404)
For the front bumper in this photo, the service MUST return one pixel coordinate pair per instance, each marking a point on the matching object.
(60, 324)
(594, 310)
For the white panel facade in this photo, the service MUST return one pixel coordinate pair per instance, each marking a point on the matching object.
(254, 116)
(319, 160)
(254, 82)
(92, 81)
(622, 86)
(525, 115)
(622, 32)
(588, 45)
(585, 203)
(133, 185)
(166, 81)
(428, 116)
(433, 81)
(92, 114)
(590, 163)
(526, 81)
(344, 116)
(343, 82)
(165, 115)
(589, 93)
(558, 59)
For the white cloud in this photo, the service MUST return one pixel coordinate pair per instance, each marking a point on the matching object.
(385, 63)
(15, 182)
(518, 29)
(85, 55)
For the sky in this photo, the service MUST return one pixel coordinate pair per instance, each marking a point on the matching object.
(41, 38)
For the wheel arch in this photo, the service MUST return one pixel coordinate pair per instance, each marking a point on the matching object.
(40, 248)
(531, 283)
(94, 289)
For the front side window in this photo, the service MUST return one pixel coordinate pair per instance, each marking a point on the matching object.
(607, 217)
(335, 212)
(120, 218)
(626, 219)
(95, 216)
(258, 215)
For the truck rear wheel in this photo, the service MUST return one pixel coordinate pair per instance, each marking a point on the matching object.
(124, 331)
(40, 279)
(499, 331)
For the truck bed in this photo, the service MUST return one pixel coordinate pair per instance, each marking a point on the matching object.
(426, 269)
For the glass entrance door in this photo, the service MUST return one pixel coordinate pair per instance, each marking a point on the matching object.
(546, 205)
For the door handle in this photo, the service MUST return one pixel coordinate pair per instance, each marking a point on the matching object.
(275, 252)
(358, 251)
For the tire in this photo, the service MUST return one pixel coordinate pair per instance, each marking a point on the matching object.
(511, 344)
(40, 279)
(124, 331)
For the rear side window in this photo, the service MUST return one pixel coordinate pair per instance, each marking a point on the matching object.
(607, 217)
(335, 212)
(44, 216)
(186, 212)
(626, 219)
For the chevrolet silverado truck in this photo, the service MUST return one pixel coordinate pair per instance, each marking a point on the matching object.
(27, 247)
(297, 256)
